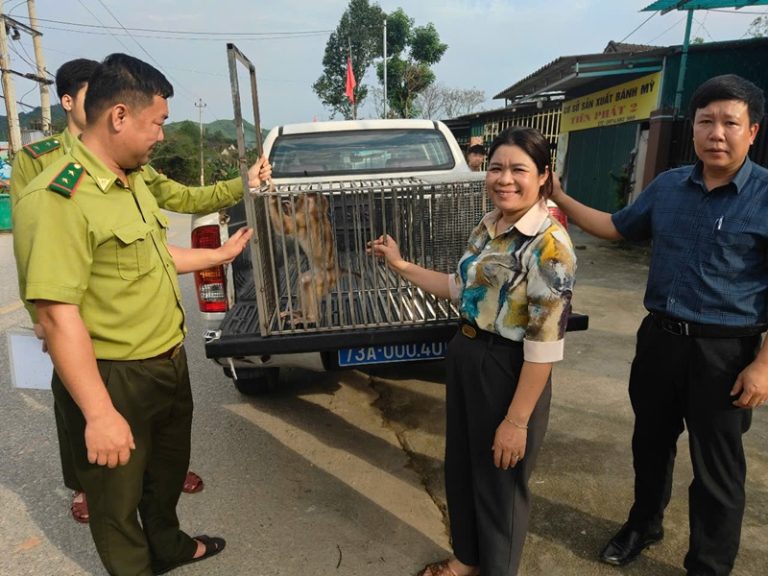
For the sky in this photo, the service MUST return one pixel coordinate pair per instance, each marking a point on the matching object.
(491, 43)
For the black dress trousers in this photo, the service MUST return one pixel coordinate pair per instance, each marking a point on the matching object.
(488, 507)
(678, 381)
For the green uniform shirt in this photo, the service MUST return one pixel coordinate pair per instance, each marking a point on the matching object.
(169, 194)
(81, 237)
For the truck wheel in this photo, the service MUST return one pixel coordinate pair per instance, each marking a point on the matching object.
(255, 381)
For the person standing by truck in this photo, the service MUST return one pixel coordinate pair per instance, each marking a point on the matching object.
(71, 87)
(699, 362)
(90, 246)
(513, 286)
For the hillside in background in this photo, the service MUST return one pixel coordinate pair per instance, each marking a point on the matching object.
(58, 118)
(225, 127)
(28, 119)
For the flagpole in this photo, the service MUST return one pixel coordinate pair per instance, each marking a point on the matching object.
(385, 67)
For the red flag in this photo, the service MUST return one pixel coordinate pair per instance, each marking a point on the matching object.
(350, 87)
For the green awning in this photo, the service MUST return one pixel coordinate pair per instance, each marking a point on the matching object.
(668, 5)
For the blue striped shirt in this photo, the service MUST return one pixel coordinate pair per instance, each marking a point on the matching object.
(708, 260)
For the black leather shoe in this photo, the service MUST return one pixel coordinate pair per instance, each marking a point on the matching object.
(627, 544)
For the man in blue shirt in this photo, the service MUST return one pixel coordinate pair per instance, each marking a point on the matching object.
(699, 361)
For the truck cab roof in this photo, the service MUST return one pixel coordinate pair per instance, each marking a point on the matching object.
(355, 148)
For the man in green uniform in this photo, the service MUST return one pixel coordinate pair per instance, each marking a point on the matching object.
(90, 245)
(71, 87)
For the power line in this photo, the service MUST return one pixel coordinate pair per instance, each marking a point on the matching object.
(702, 27)
(638, 28)
(199, 38)
(19, 3)
(100, 22)
(668, 29)
(27, 59)
(186, 32)
(22, 103)
(27, 93)
(137, 43)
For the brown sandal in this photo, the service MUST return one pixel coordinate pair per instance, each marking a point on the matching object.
(79, 509)
(192, 483)
(441, 568)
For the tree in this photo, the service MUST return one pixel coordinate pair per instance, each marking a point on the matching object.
(438, 101)
(430, 101)
(460, 101)
(759, 27)
(411, 51)
(178, 155)
(360, 33)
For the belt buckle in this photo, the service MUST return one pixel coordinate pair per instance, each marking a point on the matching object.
(468, 331)
(676, 327)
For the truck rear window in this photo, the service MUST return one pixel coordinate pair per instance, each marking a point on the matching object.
(360, 152)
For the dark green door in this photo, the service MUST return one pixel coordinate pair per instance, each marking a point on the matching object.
(595, 154)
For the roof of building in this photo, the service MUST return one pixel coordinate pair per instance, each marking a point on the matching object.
(613, 47)
(668, 5)
(568, 73)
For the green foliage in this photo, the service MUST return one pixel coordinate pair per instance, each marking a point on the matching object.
(178, 156)
(360, 32)
(622, 185)
(411, 51)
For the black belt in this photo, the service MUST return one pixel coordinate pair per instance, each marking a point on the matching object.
(474, 333)
(683, 328)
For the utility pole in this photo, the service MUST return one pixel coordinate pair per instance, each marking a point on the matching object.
(14, 132)
(45, 99)
(200, 105)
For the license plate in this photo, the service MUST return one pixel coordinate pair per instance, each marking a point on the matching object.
(392, 353)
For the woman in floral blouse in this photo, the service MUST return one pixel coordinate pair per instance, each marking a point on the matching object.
(513, 286)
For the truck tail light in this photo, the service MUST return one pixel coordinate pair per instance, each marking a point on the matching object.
(557, 214)
(211, 284)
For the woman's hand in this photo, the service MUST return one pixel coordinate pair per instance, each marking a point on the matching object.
(509, 445)
(386, 247)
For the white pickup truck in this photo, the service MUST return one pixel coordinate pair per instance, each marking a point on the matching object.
(305, 293)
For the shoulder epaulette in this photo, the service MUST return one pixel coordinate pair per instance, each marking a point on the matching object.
(42, 147)
(67, 180)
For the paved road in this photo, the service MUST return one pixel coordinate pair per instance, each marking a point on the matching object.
(340, 474)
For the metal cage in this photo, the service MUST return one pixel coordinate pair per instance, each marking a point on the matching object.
(312, 271)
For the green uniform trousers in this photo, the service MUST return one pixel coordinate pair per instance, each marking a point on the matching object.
(155, 397)
(65, 452)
